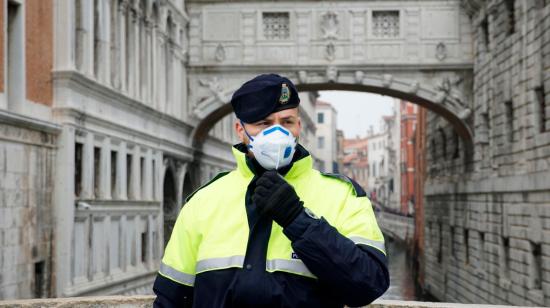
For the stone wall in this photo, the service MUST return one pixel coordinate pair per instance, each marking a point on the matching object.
(488, 216)
(27, 155)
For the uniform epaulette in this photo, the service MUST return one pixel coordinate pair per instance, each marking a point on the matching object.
(217, 177)
(359, 191)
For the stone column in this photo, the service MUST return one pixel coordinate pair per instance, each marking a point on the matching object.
(87, 14)
(122, 11)
(87, 191)
(135, 181)
(147, 193)
(64, 208)
(105, 170)
(104, 42)
(136, 58)
(121, 188)
(64, 39)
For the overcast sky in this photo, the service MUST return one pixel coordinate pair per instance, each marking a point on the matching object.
(358, 110)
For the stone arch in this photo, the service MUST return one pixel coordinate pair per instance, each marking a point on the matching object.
(170, 207)
(440, 101)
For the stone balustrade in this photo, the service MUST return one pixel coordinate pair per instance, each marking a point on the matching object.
(146, 301)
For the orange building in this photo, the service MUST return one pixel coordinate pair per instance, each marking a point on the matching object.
(355, 162)
(408, 113)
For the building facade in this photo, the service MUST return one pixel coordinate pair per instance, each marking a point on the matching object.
(355, 161)
(327, 141)
(487, 212)
(408, 156)
(95, 148)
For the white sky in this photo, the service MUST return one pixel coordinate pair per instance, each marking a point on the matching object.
(358, 110)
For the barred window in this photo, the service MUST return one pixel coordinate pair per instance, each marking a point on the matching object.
(385, 24)
(276, 26)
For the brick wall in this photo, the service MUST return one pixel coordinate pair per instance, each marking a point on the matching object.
(488, 221)
(39, 50)
(26, 174)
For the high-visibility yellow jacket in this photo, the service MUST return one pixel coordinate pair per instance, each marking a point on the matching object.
(222, 254)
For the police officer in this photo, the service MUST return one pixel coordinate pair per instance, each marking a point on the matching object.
(274, 232)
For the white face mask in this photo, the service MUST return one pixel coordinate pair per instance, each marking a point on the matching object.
(273, 147)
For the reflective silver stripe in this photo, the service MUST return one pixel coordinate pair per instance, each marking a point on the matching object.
(292, 266)
(365, 241)
(216, 263)
(176, 275)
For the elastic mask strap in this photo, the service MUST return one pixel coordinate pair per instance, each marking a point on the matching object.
(249, 137)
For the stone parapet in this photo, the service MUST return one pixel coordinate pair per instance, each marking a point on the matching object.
(147, 301)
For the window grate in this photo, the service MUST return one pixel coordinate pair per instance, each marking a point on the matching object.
(276, 26)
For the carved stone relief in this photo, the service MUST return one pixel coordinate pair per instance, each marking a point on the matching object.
(332, 73)
(441, 51)
(219, 54)
(302, 76)
(214, 86)
(359, 76)
(330, 52)
(329, 25)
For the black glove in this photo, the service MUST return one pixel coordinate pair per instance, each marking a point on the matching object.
(276, 199)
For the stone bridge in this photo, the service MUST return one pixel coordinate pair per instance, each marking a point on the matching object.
(418, 51)
(397, 227)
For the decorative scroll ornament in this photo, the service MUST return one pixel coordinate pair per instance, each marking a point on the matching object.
(219, 54)
(330, 52)
(441, 51)
(329, 25)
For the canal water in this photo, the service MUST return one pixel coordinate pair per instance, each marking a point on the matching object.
(402, 285)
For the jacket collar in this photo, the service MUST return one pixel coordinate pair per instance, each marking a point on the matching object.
(249, 167)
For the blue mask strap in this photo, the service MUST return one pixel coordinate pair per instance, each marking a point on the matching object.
(249, 137)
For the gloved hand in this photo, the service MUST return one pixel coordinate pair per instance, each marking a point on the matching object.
(275, 198)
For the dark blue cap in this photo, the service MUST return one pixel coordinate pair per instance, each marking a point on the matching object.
(262, 96)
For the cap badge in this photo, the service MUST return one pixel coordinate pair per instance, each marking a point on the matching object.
(285, 94)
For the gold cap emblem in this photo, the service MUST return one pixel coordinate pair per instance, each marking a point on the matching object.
(285, 94)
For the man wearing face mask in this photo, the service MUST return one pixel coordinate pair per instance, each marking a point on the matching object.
(274, 232)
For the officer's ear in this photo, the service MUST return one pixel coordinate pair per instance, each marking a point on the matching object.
(239, 130)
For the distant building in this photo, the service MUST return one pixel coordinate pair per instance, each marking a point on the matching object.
(384, 180)
(408, 126)
(355, 162)
(327, 148)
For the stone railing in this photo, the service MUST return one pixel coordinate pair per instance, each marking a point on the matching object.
(147, 301)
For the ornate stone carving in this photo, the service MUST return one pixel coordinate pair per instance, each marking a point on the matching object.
(214, 86)
(447, 89)
(387, 79)
(413, 89)
(219, 54)
(359, 76)
(332, 73)
(329, 25)
(330, 52)
(441, 51)
(302, 76)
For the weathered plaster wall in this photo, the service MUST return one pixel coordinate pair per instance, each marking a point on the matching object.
(26, 172)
